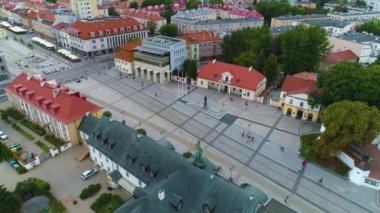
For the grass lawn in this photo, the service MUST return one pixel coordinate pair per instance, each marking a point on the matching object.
(333, 164)
(42, 146)
(23, 132)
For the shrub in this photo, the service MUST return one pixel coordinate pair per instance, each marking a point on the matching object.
(21, 170)
(42, 146)
(244, 185)
(141, 131)
(14, 113)
(187, 155)
(91, 190)
(34, 127)
(32, 187)
(5, 153)
(57, 142)
(23, 132)
(9, 201)
(107, 114)
(30, 45)
(107, 203)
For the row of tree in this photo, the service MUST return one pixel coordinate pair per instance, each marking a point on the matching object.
(297, 50)
(370, 27)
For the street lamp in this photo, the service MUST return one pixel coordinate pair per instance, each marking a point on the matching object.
(122, 115)
(231, 169)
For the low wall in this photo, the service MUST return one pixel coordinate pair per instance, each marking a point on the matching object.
(31, 164)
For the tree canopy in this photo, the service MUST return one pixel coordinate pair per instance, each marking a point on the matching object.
(151, 27)
(271, 68)
(190, 68)
(169, 30)
(370, 27)
(303, 48)
(347, 123)
(192, 4)
(112, 11)
(147, 3)
(51, 1)
(9, 201)
(134, 5)
(350, 81)
(216, 2)
(32, 187)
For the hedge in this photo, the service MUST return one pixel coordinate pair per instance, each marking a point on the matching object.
(5, 152)
(34, 127)
(57, 142)
(187, 155)
(14, 113)
(42, 146)
(107, 203)
(23, 132)
(91, 190)
(21, 170)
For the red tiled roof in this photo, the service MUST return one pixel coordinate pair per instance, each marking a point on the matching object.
(60, 25)
(336, 57)
(301, 83)
(31, 14)
(243, 77)
(126, 52)
(153, 16)
(66, 106)
(43, 14)
(198, 37)
(84, 27)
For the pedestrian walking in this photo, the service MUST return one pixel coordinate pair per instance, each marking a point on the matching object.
(253, 139)
(155, 94)
(320, 180)
(282, 148)
(286, 199)
(242, 134)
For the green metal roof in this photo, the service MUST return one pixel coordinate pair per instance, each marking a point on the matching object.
(175, 176)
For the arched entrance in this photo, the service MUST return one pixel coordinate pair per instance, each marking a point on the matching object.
(289, 112)
(299, 114)
(310, 116)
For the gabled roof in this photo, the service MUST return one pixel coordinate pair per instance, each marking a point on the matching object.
(152, 16)
(176, 177)
(337, 57)
(46, 15)
(243, 77)
(301, 83)
(60, 103)
(198, 37)
(121, 25)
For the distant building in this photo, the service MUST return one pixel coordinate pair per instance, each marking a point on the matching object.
(275, 31)
(333, 27)
(232, 79)
(144, 17)
(5, 77)
(158, 57)
(338, 57)
(125, 57)
(160, 179)
(357, 15)
(294, 96)
(213, 20)
(84, 9)
(42, 25)
(373, 5)
(55, 108)
(101, 36)
(203, 46)
(290, 20)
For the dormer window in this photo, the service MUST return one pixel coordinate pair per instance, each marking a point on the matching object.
(92, 34)
(134, 27)
(115, 31)
(131, 159)
(128, 29)
(108, 32)
(144, 167)
(122, 29)
(100, 33)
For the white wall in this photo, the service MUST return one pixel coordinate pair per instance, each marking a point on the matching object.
(297, 99)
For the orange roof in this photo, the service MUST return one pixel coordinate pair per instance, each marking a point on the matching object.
(152, 16)
(114, 25)
(336, 57)
(243, 77)
(127, 52)
(31, 14)
(60, 103)
(46, 15)
(301, 83)
(198, 37)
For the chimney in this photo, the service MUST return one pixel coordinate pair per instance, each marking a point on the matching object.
(213, 61)
(250, 69)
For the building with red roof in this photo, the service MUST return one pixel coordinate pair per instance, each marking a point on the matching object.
(203, 46)
(48, 104)
(295, 93)
(42, 25)
(233, 79)
(338, 57)
(125, 57)
(144, 17)
(91, 37)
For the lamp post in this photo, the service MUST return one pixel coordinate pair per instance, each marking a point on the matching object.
(231, 169)
(122, 115)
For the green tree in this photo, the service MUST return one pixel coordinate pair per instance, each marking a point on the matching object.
(112, 11)
(151, 27)
(260, 61)
(340, 9)
(216, 2)
(134, 5)
(52, 1)
(191, 68)
(360, 3)
(141, 131)
(107, 203)
(271, 70)
(32, 187)
(169, 30)
(192, 4)
(303, 48)
(5, 153)
(9, 201)
(107, 114)
(347, 123)
(350, 81)
(370, 27)
(147, 3)
(246, 59)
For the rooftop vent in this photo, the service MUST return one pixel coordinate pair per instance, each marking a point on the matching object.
(161, 194)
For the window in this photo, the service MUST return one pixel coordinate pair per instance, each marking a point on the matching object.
(283, 96)
(248, 94)
(126, 174)
(100, 155)
(291, 101)
(2, 68)
(107, 160)
(301, 104)
(201, 82)
(107, 32)
(140, 184)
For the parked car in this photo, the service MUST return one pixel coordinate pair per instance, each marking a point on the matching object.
(89, 173)
(3, 136)
(14, 164)
(15, 147)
